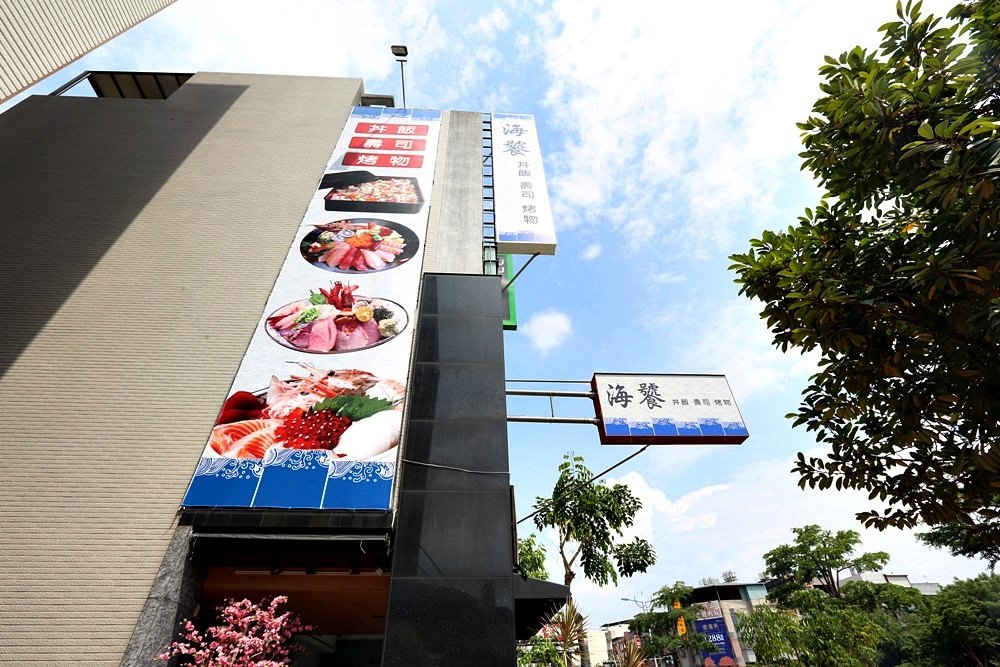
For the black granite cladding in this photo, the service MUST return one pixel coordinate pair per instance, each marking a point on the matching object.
(451, 596)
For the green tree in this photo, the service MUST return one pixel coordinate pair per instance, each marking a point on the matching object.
(660, 630)
(539, 652)
(972, 541)
(894, 277)
(896, 609)
(589, 519)
(816, 555)
(821, 632)
(963, 627)
(531, 558)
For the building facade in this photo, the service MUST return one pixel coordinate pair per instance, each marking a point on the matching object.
(39, 38)
(143, 238)
(718, 620)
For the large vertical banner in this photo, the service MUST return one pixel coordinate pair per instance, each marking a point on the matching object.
(314, 415)
(715, 631)
(522, 213)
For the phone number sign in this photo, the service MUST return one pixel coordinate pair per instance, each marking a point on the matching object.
(666, 409)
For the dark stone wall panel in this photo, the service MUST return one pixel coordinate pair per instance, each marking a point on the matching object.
(450, 622)
(461, 534)
(457, 392)
(451, 600)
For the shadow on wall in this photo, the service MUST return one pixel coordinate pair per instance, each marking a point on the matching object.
(75, 173)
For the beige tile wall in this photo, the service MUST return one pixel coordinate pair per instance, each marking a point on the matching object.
(39, 38)
(138, 243)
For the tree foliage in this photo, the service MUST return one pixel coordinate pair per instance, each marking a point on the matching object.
(962, 628)
(590, 519)
(960, 540)
(895, 609)
(660, 628)
(821, 632)
(531, 558)
(816, 555)
(539, 652)
(894, 277)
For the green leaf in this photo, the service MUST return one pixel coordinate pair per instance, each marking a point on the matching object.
(925, 131)
(353, 406)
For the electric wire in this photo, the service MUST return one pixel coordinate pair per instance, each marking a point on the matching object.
(473, 472)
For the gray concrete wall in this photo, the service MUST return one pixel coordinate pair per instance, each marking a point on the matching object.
(455, 221)
(140, 240)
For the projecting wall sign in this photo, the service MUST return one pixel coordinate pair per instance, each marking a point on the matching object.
(523, 216)
(666, 409)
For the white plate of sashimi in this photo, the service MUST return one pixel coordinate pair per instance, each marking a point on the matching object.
(336, 320)
(359, 245)
(351, 413)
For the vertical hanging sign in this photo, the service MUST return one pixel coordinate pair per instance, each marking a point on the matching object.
(522, 213)
(314, 415)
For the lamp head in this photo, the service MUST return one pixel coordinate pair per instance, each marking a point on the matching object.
(399, 50)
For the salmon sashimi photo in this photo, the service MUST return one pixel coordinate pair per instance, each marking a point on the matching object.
(349, 412)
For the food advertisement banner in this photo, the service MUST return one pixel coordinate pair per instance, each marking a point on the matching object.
(667, 409)
(521, 199)
(314, 416)
(715, 631)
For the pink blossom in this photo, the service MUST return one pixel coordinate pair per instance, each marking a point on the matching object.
(247, 635)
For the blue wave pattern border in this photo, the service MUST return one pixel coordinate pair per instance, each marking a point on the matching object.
(291, 478)
(619, 426)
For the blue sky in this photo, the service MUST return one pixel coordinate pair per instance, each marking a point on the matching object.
(669, 138)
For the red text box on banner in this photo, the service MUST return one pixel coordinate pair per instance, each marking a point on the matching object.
(352, 159)
(391, 128)
(388, 144)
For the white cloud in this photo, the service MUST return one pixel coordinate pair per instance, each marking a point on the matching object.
(731, 523)
(665, 277)
(734, 341)
(685, 514)
(593, 251)
(665, 119)
(495, 21)
(548, 330)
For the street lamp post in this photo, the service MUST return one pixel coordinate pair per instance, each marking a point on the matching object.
(643, 604)
(400, 51)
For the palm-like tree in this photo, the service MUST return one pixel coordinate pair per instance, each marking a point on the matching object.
(631, 656)
(571, 631)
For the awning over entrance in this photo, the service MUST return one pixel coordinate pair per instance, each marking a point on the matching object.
(535, 601)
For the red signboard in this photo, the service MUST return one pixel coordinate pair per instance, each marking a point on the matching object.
(391, 128)
(388, 144)
(352, 159)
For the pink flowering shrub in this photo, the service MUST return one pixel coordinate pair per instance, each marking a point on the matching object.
(248, 635)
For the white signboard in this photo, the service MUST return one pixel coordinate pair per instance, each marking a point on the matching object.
(522, 213)
(667, 409)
